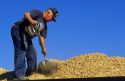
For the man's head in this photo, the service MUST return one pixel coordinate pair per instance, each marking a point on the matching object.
(50, 14)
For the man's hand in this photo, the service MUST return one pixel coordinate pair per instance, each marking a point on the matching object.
(34, 22)
(44, 51)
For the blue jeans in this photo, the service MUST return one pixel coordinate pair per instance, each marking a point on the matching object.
(23, 51)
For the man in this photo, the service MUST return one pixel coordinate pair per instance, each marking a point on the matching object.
(22, 32)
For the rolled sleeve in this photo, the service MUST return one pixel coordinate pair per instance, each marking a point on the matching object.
(35, 13)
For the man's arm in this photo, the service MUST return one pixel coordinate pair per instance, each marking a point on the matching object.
(42, 44)
(27, 15)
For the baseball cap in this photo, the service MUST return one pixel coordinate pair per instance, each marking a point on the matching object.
(55, 13)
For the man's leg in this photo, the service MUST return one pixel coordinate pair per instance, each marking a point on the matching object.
(19, 57)
(31, 60)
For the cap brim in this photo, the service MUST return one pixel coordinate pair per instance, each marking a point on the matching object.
(54, 20)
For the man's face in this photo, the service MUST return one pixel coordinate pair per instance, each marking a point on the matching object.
(48, 15)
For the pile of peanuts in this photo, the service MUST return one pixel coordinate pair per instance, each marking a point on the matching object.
(86, 66)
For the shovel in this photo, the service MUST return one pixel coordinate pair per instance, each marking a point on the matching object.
(46, 66)
(44, 63)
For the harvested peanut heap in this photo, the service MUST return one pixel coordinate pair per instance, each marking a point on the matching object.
(86, 66)
(2, 70)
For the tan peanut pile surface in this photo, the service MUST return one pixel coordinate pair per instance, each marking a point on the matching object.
(83, 66)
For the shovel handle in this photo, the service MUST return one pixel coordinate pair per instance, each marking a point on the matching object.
(44, 56)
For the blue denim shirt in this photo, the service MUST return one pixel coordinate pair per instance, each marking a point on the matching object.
(36, 15)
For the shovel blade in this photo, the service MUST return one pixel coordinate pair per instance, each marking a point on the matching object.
(47, 66)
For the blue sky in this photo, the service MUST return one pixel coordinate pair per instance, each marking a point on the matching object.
(82, 27)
